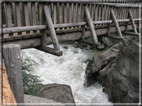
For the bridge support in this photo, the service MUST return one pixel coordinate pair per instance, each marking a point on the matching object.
(132, 21)
(56, 50)
(91, 26)
(116, 23)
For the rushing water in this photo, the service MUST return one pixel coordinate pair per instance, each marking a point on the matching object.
(68, 69)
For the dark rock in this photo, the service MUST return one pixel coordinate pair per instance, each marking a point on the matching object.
(101, 47)
(120, 74)
(57, 92)
(66, 47)
(108, 42)
(122, 80)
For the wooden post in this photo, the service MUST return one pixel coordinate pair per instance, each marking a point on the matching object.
(12, 60)
(132, 21)
(116, 23)
(90, 23)
(51, 28)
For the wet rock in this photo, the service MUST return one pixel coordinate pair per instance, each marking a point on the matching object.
(122, 78)
(57, 92)
(66, 47)
(118, 71)
(108, 42)
(101, 47)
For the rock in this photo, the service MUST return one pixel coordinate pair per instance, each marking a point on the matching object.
(108, 42)
(101, 47)
(102, 58)
(35, 99)
(118, 70)
(57, 92)
(122, 77)
(66, 47)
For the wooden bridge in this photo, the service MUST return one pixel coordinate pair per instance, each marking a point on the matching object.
(38, 23)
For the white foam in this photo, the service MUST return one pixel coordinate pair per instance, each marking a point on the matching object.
(68, 69)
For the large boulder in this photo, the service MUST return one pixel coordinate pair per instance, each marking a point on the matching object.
(119, 75)
(57, 92)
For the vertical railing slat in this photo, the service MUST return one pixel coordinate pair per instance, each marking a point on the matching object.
(54, 14)
(27, 19)
(96, 13)
(22, 14)
(41, 14)
(18, 16)
(14, 14)
(30, 14)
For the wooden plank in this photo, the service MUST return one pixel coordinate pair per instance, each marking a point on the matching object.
(18, 15)
(43, 39)
(65, 13)
(93, 12)
(30, 14)
(71, 13)
(35, 42)
(116, 23)
(14, 14)
(82, 13)
(34, 15)
(8, 16)
(131, 33)
(75, 13)
(103, 12)
(79, 13)
(132, 21)
(23, 29)
(51, 28)
(41, 14)
(108, 16)
(22, 14)
(43, 27)
(12, 60)
(68, 10)
(99, 11)
(96, 13)
(60, 14)
(106, 12)
(91, 26)
(51, 50)
(54, 13)
(27, 19)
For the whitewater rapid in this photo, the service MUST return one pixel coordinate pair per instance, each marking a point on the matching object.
(68, 69)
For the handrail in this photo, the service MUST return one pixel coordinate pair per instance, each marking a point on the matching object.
(70, 1)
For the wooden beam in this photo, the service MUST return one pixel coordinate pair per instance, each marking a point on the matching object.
(131, 33)
(35, 42)
(51, 50)
(12, 60)
(66, 1)
(91, 26)
(51, 28)
(43, 27)
(132, 21)
(116, 23)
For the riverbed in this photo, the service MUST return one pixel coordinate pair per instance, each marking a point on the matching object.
(68, 69)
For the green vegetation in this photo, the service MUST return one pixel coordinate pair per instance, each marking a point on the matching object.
(31, 83)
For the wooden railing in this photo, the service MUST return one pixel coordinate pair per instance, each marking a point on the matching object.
(24, 19)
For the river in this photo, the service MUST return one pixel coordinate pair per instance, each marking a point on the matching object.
(68, 69)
